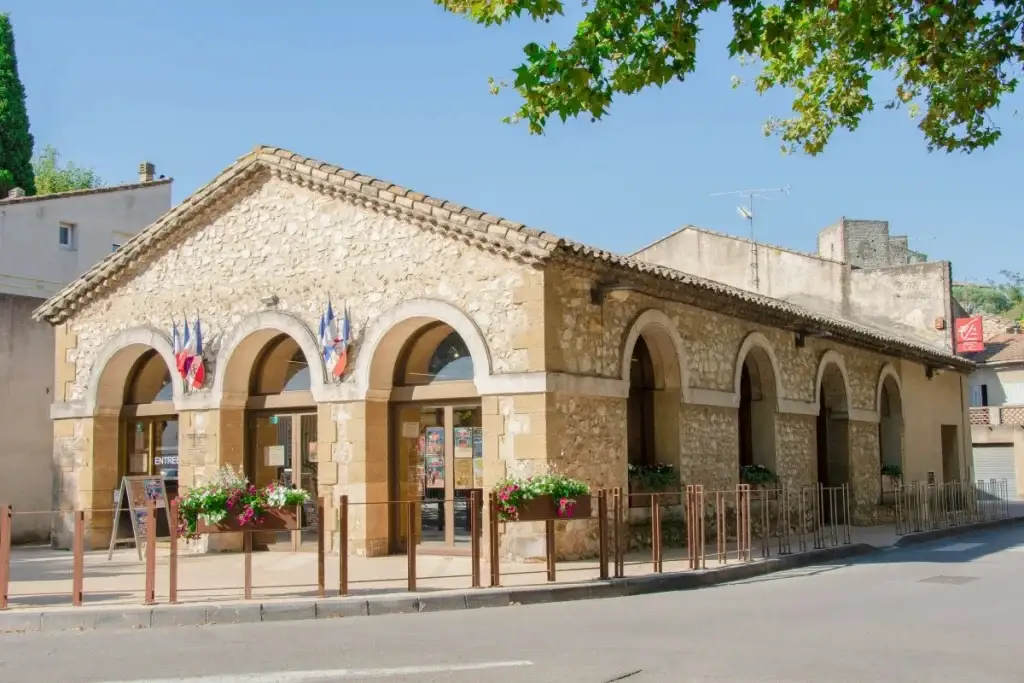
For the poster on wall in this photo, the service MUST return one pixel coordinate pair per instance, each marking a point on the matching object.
(434, 441)
(464, 473)
(478, 442)
(463, 443)
(434, 471)
(410, 430)
(478, 473)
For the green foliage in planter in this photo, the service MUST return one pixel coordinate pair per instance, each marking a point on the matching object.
(654, 478)
(511, 493)
(757, 475)
(892, 471)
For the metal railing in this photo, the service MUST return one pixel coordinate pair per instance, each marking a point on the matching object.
(924, 506)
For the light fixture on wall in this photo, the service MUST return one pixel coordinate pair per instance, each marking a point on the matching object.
(269, 301)
(618, 290)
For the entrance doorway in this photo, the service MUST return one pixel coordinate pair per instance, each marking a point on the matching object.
(438, 461)
(283, 450)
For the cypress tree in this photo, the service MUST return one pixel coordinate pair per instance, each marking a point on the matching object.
(15, 138)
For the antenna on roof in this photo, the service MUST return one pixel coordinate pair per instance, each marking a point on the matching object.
(747, 214)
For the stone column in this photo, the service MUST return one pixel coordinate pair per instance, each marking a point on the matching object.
(361, 455)
(865, 478)
(796, 455)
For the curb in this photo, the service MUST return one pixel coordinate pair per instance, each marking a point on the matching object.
(441, 601)
(953, 531)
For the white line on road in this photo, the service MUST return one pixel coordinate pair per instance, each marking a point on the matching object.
(958, 547)
(334, 674)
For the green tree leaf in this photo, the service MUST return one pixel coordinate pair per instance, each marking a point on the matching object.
(15, 138)
(51, 177)
(953, 63)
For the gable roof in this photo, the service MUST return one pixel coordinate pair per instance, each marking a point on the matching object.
(8, 201)
(508, 238)
(1001, 349)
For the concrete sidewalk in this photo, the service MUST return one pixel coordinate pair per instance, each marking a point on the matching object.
(210, 585)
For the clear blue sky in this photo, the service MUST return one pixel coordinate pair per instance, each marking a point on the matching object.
(398, 89)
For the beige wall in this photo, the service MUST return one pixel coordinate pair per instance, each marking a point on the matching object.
(994, 377)
(911, 297)
(32, 261)
(927, 405)
(26, 438)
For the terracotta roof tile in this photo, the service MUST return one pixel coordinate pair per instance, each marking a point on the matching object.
(1001, 348)
(489, 231)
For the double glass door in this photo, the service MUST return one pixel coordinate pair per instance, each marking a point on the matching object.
(439, 461)
(283, 450)
(150, 448)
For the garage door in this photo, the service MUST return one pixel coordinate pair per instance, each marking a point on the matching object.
(996, 462)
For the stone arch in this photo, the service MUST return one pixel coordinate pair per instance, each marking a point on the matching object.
(242, 345)
(832, 431)
(832, 360)
(757, 388)
(666, 347)
(114, 363)
(384, 341)
(889, 405)
(654, 366)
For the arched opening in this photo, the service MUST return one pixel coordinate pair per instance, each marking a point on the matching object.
(281, 427)
(757, 407)
(890, 432)
(434, 442)
(640, 417)
(652, 414)
(147, 424)
(833, 447)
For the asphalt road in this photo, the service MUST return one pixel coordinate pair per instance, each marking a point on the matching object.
(938, 613)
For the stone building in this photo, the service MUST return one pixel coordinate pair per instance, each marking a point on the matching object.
(46, 242)
(512, 347)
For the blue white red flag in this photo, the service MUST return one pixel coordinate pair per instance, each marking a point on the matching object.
(181, 355)
(195, 367)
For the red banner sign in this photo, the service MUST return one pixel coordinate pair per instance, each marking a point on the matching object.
(969, 337)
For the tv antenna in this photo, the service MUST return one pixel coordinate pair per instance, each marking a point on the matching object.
(747, 214)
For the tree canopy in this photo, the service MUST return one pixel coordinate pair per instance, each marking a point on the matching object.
(1005, 299)
(52, 177)
(15, 138)
(953, 62)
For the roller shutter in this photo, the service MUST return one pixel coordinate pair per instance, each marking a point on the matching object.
(996, 462)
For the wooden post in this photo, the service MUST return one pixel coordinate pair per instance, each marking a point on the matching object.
(172, 567)
(656, 533)
(620, 555)
(6, 514)
(410, 544)
(602, 532)
(321, 578)
(474, 529)
(343, 546)
(78, 559)
(494, 550)
(247, 541)
(549, 541)
(150, 552)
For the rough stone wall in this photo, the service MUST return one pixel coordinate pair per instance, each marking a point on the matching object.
(280, 240)
(865, 482)
(796, 450)
(710, 447)
(867, 243)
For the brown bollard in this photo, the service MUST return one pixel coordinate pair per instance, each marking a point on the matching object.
(494, 551)
(549, 543)
(78, 559)
(656, 554)
(343, 546)
(321, 550)
(475, 497)
(602, 532)
(617, 541)
(150, 552)
(410, 551)
(172, 568)
(247, 543)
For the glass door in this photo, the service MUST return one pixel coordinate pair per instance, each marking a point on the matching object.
(150, 449)
(438, 462)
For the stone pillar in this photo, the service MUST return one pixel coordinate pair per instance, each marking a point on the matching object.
(710, 446)
(796, 453)
(361, 454)
(865, 477)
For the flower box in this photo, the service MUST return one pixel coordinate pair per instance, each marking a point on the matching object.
(270, 519)
(545, 507)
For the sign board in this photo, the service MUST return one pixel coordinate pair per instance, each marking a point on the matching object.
(136, 492)
(969, 335)
(274, 456)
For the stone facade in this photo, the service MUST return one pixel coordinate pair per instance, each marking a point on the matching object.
(551, 364)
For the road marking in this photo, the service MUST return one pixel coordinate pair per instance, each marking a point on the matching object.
(334, 674)
(958, 547)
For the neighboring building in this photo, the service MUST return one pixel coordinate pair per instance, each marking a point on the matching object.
(860, 274)
(45, 243)
(491, 341)
(997, 410)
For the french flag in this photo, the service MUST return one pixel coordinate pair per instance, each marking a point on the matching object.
(196, 368)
